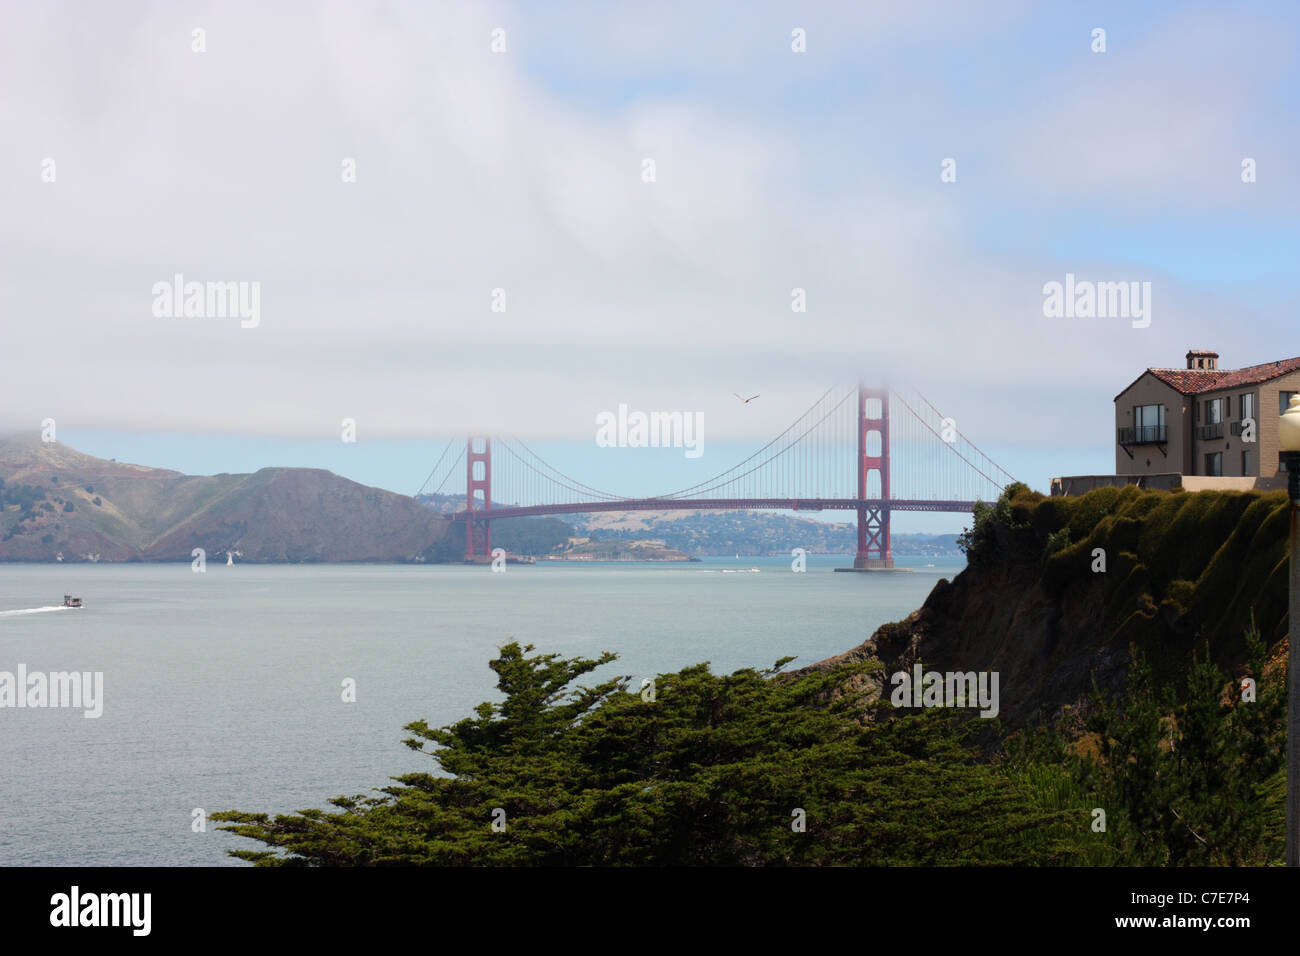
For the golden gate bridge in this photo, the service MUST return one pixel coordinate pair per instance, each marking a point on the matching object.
(872, 451)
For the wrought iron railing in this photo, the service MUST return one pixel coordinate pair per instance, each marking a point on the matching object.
(1144, 435)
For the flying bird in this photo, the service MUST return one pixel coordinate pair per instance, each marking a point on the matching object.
(745, 400)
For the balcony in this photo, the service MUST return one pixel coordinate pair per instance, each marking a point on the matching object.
(1209, 432)
(1144, 435)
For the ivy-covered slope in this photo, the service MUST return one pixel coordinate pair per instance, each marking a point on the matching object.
(1057, 589)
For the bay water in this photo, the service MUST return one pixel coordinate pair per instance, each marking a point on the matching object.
(225, 689)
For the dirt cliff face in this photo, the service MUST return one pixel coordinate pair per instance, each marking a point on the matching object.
(1058, 589)
(1044, 650)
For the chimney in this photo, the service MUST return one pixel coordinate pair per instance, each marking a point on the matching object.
(1202, 359)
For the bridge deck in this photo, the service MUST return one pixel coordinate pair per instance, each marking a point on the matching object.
(716, 504)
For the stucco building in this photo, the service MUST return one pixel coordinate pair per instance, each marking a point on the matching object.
(1198, 427)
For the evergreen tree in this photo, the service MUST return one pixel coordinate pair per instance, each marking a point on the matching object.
(752, 768)
(1192, 780)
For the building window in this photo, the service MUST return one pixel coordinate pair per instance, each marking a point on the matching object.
(1149, 423)
(1246, 464)
(1214, 464)
(1285, 401)
(1212, 430)
(1246, 404)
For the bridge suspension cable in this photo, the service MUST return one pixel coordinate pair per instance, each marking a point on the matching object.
(436, 465)
(721, 479)
(913, 457)
(552, 474)
(929, 469)
(1010, 478)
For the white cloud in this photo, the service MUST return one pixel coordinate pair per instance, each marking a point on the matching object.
(474, 175)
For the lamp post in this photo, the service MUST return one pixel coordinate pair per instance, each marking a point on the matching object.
(1289, 434)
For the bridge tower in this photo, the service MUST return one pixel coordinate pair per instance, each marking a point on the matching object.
(478, 532)
(873, 520)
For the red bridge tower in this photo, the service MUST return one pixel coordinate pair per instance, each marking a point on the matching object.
(873, 519)
(478, 531)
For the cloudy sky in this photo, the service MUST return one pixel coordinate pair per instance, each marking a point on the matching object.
(127, 157)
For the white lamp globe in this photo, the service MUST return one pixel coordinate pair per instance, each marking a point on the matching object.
(1289, 426)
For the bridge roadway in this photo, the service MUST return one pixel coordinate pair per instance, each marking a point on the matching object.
(715, 504)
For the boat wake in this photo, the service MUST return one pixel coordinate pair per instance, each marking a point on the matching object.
(34, 610)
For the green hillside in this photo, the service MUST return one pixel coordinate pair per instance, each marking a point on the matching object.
(59, 504)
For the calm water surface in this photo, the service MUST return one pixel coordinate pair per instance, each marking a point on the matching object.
(222, 690)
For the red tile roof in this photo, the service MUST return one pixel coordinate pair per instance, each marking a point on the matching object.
(1193, 381)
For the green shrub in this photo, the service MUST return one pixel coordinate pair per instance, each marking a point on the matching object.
(1056, 541)
(1187, 771)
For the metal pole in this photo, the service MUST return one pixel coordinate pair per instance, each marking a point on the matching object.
(1293, 669)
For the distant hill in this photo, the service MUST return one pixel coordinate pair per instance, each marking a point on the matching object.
(707, 532)
(57, 501)
(751, 533)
